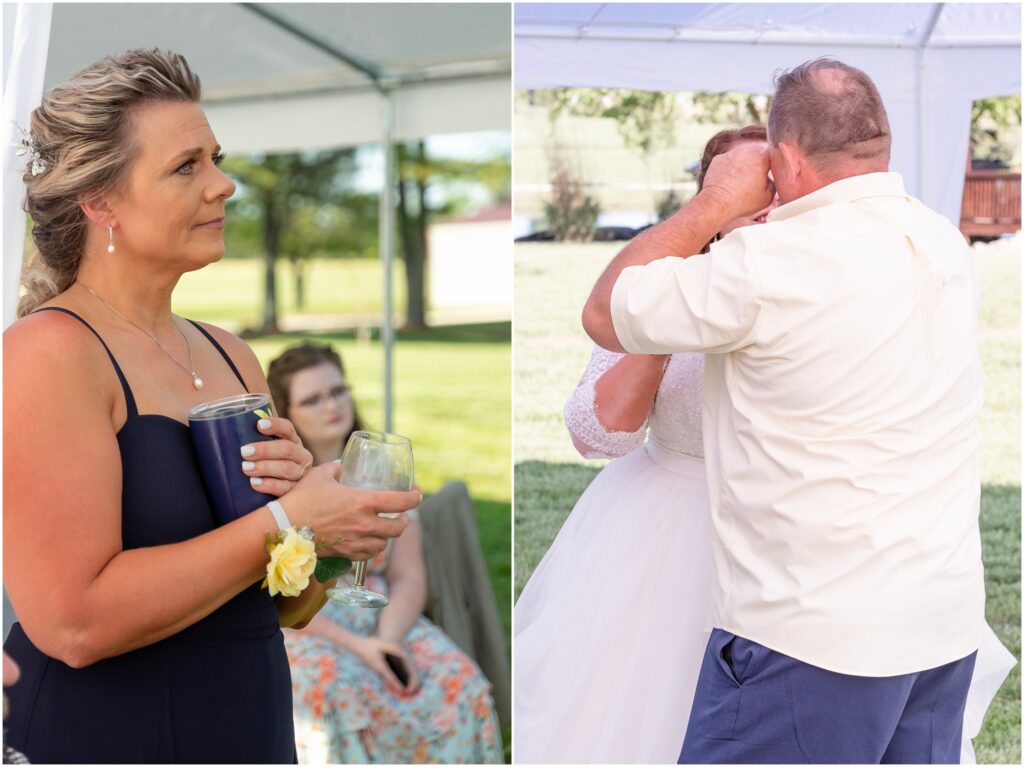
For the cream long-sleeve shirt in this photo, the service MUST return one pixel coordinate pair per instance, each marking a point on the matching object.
(842, 392)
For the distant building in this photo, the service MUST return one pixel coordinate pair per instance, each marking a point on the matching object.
(470, 266)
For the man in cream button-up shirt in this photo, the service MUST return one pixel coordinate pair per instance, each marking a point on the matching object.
(842, 391)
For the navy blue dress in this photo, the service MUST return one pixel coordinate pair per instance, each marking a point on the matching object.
(217, 692)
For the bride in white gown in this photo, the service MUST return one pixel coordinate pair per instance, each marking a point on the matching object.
(611, 628)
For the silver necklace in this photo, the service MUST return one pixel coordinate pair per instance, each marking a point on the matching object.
(197, 382)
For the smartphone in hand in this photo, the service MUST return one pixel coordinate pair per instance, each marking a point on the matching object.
(397, 665)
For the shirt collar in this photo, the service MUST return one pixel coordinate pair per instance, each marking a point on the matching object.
(843, 190)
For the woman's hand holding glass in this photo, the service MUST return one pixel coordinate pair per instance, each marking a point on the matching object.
(344, 518)
(276, 466)
(378, 460)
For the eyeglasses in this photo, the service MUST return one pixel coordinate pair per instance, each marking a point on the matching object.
(338, 393)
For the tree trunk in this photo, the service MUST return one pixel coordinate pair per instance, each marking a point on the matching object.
(299, 264)
(420, 278)
(415, 247)
(412, 243)
(271, 241)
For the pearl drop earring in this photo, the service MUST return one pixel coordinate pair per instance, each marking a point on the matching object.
(110, 238)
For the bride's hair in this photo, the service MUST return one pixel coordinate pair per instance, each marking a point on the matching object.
(725, 140)
(81, 136)
(721, 143)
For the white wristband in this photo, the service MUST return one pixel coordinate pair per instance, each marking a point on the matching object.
(279, 516)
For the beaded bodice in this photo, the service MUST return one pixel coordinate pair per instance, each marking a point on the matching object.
(674, 421)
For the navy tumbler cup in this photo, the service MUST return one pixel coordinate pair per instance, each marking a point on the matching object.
(219, 430)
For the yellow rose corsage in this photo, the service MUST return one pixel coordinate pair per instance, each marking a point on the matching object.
(292, 562)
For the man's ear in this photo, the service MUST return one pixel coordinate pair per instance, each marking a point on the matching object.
(793, 162)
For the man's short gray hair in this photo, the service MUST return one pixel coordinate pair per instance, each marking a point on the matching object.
(832, 111)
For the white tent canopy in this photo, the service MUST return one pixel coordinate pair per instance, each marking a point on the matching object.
(929, 60)
(275, 76)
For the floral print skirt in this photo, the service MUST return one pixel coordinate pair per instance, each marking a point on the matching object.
(345, 715)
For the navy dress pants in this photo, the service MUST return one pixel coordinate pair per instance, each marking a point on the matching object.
(757, 706)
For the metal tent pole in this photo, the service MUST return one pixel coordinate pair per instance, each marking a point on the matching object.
(387, 246)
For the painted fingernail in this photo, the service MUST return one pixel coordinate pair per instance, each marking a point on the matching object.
(248, 451)
(263, 423)
(248, 466)
(255, 481)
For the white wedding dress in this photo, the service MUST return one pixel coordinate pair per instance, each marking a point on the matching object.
(611, 628)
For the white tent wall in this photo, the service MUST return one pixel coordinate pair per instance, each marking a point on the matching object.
(929, 60)
(26, 32)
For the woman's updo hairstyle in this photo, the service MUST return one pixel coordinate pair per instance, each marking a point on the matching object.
(82, 132)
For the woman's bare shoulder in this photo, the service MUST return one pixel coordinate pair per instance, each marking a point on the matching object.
(51, 336)
(52, 354)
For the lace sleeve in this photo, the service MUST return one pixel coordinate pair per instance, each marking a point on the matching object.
(581, 414)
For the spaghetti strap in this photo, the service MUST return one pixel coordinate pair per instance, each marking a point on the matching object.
(129, 398)
(223, 353)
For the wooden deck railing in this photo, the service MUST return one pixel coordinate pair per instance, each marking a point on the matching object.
(991, 203)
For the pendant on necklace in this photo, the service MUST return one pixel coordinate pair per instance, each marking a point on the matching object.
(197, 381)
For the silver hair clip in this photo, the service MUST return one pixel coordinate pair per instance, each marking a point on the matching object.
(27, 147)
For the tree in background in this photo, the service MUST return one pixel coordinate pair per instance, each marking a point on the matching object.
(421, 177)
(342, 228)
(646, 120)
(414, 171)
(276, 187)
(730, 108)
(995, 132)
(571, 212)
(307, 205)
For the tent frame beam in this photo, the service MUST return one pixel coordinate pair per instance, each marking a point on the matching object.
(349, 59)
(225, 96)
(590, 33)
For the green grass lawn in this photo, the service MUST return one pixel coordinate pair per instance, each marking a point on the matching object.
(551, 351)
(231, 290)
(452, 394)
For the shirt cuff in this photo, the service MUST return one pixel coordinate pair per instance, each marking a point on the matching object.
(621, 317)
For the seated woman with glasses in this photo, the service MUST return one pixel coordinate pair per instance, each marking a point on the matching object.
(431, 703)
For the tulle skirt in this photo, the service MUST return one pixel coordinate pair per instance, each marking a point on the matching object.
(611, 628)
(991, 667)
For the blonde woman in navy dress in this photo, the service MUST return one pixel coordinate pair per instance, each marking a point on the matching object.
(144, 635)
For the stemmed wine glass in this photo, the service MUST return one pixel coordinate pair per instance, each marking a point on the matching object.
(375, 461)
